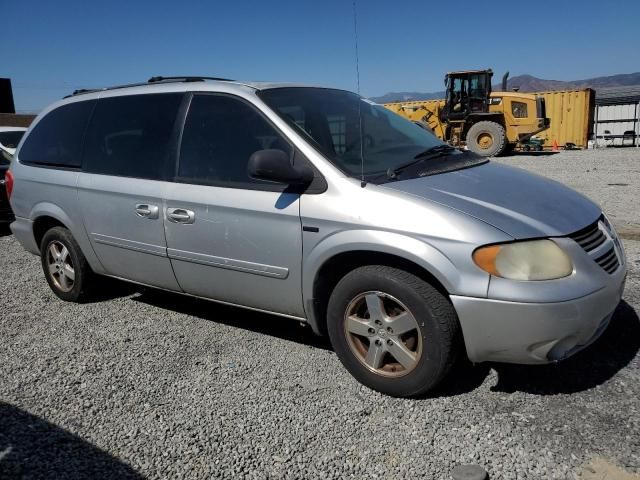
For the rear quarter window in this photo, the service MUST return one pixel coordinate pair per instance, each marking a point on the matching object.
(56, 140)
(133, 136)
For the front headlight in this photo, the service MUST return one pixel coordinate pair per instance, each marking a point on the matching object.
(530, 260)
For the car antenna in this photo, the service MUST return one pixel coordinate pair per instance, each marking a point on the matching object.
(363, 182)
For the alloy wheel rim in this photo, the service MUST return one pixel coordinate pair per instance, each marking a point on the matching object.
(60, 266)
(383, 334)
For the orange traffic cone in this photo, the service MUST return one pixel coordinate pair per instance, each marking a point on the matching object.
(555, 147)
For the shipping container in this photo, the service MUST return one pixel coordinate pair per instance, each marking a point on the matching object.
(571, 115)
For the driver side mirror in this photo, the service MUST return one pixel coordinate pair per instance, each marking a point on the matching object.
(274, 165)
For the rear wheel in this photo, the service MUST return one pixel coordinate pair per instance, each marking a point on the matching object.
(64, 265)
(393, 331)
(487, 138)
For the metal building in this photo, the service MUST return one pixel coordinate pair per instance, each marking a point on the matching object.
(617, 117)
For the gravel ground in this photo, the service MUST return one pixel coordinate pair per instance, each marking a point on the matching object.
(149, 384)
(609, 176)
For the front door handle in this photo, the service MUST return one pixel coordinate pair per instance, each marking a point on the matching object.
(180, 215)
(147, 211)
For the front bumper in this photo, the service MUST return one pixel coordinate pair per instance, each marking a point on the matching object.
(533, 333)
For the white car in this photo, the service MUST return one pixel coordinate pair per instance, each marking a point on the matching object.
(10, 138)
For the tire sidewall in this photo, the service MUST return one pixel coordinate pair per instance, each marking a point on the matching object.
(63, 236)
(429, 369)
(492, 128)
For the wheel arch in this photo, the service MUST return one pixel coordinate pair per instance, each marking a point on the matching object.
(326, 265)
(46, 215)
(43, 224)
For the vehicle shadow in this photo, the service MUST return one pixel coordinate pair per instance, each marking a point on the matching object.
(531, 153)
(273, 325)
(615, 349)
(111, 288)
(31, 447)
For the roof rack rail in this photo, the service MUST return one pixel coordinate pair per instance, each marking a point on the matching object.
(80, 91)
(151, 80)
(185, 79)
(93, 90)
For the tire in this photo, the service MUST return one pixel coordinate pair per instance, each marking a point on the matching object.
(432, 345)
(75, 288)
(487, 139)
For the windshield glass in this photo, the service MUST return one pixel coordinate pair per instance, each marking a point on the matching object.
(330, 118)
(11, 139)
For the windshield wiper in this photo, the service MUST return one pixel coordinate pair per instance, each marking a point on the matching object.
(437, 149)
(428, 154)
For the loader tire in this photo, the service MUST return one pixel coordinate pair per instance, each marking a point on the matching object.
(487, 139)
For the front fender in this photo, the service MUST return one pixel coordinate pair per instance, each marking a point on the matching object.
(416, 250)
(391, 243)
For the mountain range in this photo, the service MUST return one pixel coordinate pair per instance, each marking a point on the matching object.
(526, 83)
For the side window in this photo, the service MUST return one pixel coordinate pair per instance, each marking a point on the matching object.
(132, 136)
(56, 140)
(519, 109)
(220, 134)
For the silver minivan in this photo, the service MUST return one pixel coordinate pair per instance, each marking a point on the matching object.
(317, 205)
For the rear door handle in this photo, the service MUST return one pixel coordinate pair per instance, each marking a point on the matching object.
(147, 211)
(180, 215)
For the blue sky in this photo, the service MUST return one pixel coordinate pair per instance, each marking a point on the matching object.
(51, 48)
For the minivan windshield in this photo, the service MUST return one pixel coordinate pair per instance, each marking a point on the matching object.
(331, 119)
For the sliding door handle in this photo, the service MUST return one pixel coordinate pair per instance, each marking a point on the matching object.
(180, 215)
(147, 211)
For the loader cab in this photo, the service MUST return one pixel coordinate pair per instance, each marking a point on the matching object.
(466, 93)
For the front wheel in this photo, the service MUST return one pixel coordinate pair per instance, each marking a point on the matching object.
(393, 331)
(487, 138)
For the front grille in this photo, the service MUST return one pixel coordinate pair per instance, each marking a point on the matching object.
(598, 245)
(590, 237)
(609, 261)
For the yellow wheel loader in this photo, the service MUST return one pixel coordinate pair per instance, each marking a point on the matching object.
(488, 123)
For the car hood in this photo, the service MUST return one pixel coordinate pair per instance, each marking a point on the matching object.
(519, 203)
